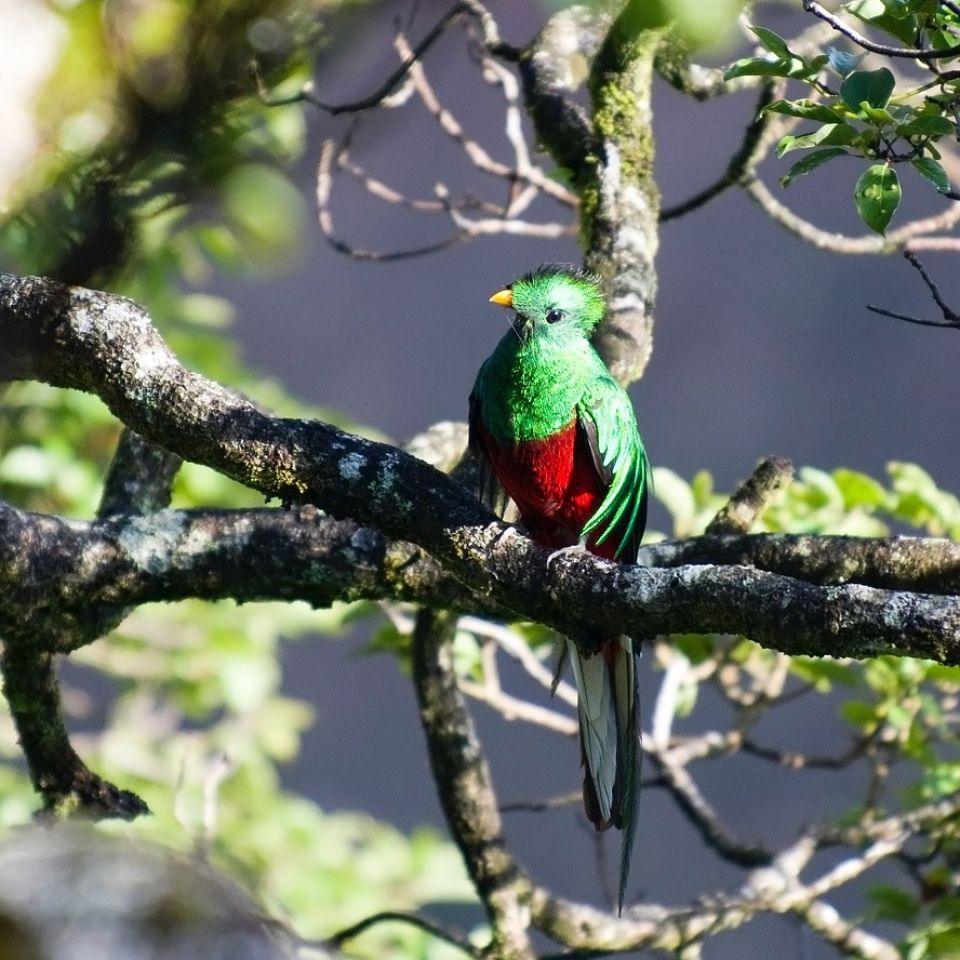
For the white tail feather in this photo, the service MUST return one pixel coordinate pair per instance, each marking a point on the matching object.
(598, 723)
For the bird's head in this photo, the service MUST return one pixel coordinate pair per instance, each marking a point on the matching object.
(555, 301)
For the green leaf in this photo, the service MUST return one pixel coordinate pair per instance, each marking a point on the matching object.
(899, 717)
(858, 489)
(860, 714)
(28, 467)
(761, 67)
(772, 41)
(696, 647)
(927, 125)
(896, 19)
(868, 86)
(823, 489)
(940, 673)
(831, 134)
(877, 116)
(867, 9)
(877, 195)
(810, 162)
(674, 493)
(946, 944)
(805, 110)
(824, 672)
(892, 903)
(941, 780)
(932, 172)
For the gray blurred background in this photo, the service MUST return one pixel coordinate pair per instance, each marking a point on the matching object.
(762, 346)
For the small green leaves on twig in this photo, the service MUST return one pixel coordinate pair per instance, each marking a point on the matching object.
(868, 117)
(779, 61)
(810, 162)
(932, 172)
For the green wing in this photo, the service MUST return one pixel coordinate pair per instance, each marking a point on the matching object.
(606, 417)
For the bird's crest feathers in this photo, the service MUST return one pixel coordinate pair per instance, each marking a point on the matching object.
(573, 290)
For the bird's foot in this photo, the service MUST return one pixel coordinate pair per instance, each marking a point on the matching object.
(506, 535)
(572, 550)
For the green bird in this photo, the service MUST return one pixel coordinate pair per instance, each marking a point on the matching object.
(553, 430)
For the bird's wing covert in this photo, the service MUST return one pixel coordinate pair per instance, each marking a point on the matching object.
(606, 416)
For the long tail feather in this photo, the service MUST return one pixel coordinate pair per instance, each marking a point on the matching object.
(598, 727)
(608, 708)
(627, 700)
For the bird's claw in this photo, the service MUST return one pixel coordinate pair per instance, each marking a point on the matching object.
(506, 534)
(572, 550)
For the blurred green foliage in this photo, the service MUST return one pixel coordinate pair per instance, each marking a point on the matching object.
(162, 165)
(907, 708)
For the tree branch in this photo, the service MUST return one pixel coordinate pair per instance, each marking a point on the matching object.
(472, 8)
(463, 782)
(909, 53)
(951, 318)
(620, 201)
(105, 344)
(752, 497)
(454, 938)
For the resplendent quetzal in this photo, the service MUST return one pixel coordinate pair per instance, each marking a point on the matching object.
(550, 425)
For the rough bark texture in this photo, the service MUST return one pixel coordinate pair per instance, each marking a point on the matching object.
(105, 344)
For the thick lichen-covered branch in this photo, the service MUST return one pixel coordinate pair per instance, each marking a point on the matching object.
(620, 203)
(82, 577)
(607, 151)
(138, 482)
(105, 344)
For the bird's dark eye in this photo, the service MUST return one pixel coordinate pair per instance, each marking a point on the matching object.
(554, 315)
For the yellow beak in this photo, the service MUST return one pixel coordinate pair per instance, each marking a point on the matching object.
(503, 297)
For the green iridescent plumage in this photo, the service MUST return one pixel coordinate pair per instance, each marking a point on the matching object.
(558, 434)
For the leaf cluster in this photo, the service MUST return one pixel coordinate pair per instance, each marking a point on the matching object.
(871, 114)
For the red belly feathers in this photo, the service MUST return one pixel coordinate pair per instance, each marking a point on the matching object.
(554, 484)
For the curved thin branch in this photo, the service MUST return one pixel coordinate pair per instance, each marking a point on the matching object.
(752, 150)
(951, 318)
(699, 812)
(325, 219)
(910, 53)
(440, 932)
(472, 8)
(910, 234)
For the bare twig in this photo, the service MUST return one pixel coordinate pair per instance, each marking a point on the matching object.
(440, 932)
(913, 234)
(513, 708)
(911, 53)
(951, 319)
(522, 170)
(703, 817)
(325, 218)
(742, 164)
(472, 8)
